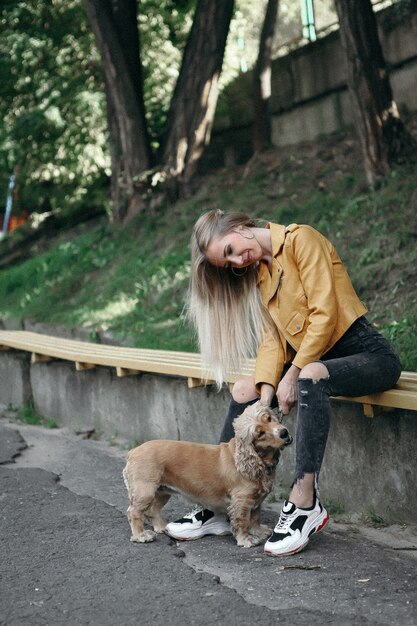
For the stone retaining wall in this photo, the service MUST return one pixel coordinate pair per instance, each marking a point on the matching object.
(309, 95)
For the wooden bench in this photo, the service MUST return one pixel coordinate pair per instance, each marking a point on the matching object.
(126, 361)
(133, 361)
(402, 396)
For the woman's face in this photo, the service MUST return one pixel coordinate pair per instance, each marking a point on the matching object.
(239, 248)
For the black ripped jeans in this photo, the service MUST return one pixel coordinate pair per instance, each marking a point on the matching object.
(361, 362)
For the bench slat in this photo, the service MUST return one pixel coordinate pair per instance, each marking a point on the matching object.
(167, 362)
(406, 386)
(99, 354)
(394, 398)
(131, 361)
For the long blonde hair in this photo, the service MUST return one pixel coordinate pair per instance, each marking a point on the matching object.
(224, 307)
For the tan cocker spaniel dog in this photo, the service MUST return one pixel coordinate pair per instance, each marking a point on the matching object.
(232, 478)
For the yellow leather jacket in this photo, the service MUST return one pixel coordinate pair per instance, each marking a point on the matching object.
(309, 296)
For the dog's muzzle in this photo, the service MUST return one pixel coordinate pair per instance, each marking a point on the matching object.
(285, 436)
(283, 433)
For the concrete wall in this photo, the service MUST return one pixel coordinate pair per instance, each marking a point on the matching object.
(309, 92)
(15, 386)
(369, 463)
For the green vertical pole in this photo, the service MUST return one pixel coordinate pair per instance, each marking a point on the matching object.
(307, 17)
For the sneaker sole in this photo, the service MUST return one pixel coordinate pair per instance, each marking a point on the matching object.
(289, 553)
(213, 529)
(190, 538)
(315, 530)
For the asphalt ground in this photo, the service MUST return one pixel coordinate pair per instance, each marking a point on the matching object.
(66, 558)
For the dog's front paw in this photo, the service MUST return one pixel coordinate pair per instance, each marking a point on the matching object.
(248, 542)
(159, 528)
(145, 537)
(261, 532)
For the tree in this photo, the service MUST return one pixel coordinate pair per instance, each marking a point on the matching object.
(262, 79)
(114, 24)
(193, 104)
(383, 136)
(191, 113)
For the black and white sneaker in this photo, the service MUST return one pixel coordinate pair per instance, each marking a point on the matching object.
(295, 527)
(198, 523)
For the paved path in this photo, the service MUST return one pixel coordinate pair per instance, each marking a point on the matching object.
(65, 555)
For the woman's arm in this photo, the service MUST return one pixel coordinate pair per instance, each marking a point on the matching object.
(314, 263)
(287, 390)
(269, 366)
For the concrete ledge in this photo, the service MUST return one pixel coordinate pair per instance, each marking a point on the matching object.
(15, 388)
(137, 407)
(370, 464)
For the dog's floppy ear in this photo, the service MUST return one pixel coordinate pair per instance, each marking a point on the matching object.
(247, 425)
(244, 428)
(259, 431)
(263, 417)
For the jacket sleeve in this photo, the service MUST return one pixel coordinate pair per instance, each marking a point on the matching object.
(269, 361)
(313, 259)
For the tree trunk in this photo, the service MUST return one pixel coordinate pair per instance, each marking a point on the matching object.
(114, 24)
(262, 80)
(193, 104)
(383, 137)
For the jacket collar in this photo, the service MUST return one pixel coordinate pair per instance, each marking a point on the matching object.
(268, 282)
(278, 232)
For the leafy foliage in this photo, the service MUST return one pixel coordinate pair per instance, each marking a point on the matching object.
(52, 128)
(52, 106)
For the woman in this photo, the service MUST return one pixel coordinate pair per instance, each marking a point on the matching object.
(283, 294)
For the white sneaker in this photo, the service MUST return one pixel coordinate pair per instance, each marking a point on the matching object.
(294, 528)
(198, 523)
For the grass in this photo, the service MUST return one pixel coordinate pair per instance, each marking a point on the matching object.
(103, 279)
(402, 334)
(333, 507)
(373, 519)
(28, 415)
(278, 494)
(132, 282)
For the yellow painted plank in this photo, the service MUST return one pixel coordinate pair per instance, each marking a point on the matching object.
(39, 358)
(368, 410)
(81, 367)
(123, 371)
(394, 398)
(28, 341)
(194, 382)
(154, 361)
(412, 376)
